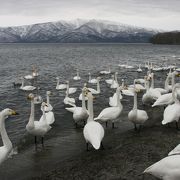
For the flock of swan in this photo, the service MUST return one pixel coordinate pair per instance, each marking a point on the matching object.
(93, 131)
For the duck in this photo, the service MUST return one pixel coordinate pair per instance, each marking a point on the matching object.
(79, 113)
(60, 86)
(139, 69)
(93, 131)
(172, 112)
(115, 83)
(37, 128)
(70, 90)
(98, 90)
(77, 77)
(166, 169)
(92, 81)
(7, 147)
(137, 116)
(106, 72)
(26, 88)
(111, 113)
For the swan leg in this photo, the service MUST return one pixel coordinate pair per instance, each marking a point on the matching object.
(102, 147)
(87, 146)
(177, 127)
(76, 125)
(168, 125)
(140, 127)
(135, 127)
(113, 125)
(106, 123)
(42, 141)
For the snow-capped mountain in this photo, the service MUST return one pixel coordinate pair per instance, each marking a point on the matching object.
(76, 31)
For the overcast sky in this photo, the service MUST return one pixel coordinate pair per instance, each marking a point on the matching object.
(159, 14)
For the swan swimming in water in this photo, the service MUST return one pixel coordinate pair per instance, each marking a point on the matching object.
(98, 90)
(106, 72)
(70, 90)
(110, 81)
(60, 86)
(7, 147)
(92, 81)
(93, 131)
(68, 100)
(77, 77)
(139, 69)
(115, 83)
(26, 88)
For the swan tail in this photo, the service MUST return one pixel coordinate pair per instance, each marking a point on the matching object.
(164, 122)
(96, 144)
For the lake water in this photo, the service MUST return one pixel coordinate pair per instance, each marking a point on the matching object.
(52, 60)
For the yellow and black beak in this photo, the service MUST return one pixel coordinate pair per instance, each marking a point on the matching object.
(14, 113)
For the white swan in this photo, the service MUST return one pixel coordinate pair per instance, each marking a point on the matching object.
(151, 94)
(60, 86)
(7, 147)
(110, 81)
(80, 113)
(166, 169)
(48, 106)
(125, 90)
(137, 116)
(98, 90)
(141, 81)
(26, 88)
(70, 90)
(77, 77)
(115, 83)
(80, 96)
(92, 81)
(111, 113)
(37, 128)
(113, 99)
(139, 69)
(106, 72)
(68, 100)
(172, 112)
(93, 131)
(161, 90)
(163, 100)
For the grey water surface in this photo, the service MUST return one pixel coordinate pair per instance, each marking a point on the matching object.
(52, 60)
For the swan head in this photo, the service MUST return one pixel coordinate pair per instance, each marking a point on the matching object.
(48, 93)
(116, 73)
(89, 73)
(44, 105)
(57, 78)
(85, 84)
(67, 82)
(8, 112)
(122, 80)
(30, 96)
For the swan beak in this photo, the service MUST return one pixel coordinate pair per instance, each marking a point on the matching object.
(14, 113)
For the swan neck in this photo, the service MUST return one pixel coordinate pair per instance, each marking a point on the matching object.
(173, 79)
(48, 100)
(89, 77)
(135, 101)
(57, 83)
(31, 118)
(22, 85)
(118, 98)
(83, 102)
(90, 109)
(5, 138)
(152, 82)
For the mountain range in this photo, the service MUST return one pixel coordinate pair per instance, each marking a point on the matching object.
(77, 31)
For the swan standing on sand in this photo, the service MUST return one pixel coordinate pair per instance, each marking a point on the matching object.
(111, 113)
(166, 169)
(26, 88)
(94, 91)
(77, 77)
(92, 81)
(172, 112)
(7, 147)
(60, 86)
(137, 116)
(70, 90)
(37, 128)
(80, 113)
(93, 131)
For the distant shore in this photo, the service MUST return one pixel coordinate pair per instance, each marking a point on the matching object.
(125, 157)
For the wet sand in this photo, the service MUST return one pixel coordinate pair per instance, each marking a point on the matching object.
(125, 157)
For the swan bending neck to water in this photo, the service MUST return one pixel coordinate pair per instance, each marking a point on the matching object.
(93, 131)
(7, 147)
